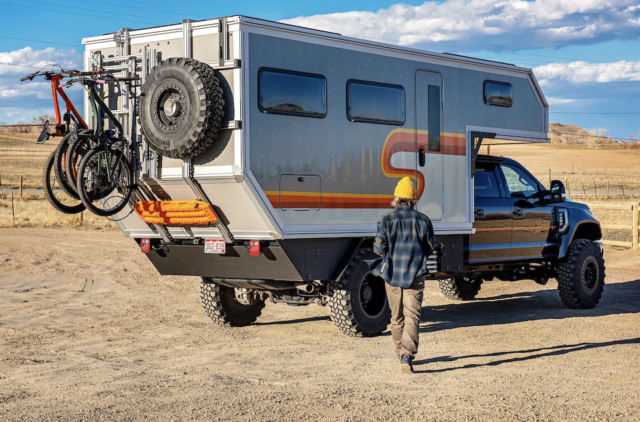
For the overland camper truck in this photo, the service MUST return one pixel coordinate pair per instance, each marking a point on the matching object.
(294, 140)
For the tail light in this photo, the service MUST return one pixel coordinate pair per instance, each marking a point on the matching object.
(145, 245)
(255, 247)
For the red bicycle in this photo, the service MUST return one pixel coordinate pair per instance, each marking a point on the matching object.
(58, 189)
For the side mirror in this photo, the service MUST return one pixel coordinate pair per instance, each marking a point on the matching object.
(558, 193)
(44, 135)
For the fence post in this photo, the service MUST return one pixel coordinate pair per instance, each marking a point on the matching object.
(13, 213)
(607, 188)
(636, 210)
(549, 177)
(20, 186)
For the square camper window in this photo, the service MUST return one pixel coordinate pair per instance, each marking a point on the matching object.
(293, 93)
(371, 102)
(498, 94)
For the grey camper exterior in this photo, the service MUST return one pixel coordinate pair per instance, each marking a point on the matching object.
(317, 130)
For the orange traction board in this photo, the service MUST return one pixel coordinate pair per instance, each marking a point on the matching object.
(176, 213)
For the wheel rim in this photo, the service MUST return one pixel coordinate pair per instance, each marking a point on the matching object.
(170, 105)
(372, 295)
(590, 273)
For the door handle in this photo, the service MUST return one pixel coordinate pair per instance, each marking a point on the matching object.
(422, 157)
(518, 213)
(478, 213)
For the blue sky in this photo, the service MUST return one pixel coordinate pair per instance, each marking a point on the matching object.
(586, 53)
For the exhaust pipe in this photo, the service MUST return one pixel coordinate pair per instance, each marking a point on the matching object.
(307, 288)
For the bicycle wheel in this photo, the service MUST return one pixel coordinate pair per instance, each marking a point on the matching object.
(59, 166)
(55, 194)
(75, 153)
(101, 194)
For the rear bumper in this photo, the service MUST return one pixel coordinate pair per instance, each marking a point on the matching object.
(292, 261)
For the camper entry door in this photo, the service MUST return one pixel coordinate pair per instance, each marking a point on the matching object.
(429, 124)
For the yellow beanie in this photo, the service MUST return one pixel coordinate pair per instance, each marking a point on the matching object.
(405, 189)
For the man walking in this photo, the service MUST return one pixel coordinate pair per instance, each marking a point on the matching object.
(405, 240)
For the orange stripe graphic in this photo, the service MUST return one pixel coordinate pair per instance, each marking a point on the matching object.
(398, 140)
(408, 140)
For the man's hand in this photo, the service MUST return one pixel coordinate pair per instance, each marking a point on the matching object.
(381, 253)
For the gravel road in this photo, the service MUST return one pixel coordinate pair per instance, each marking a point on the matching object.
(89, 331)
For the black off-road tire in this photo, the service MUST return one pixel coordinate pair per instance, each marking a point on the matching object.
(196, 88)
(460, 288)
(220, 304)
(353, 310)
(581, 275)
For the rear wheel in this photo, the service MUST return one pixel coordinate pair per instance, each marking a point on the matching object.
(59, 164)
(228, 306)
(460, 288)
(358, 301)
(581, 276)
(54, 193)
(75, 153)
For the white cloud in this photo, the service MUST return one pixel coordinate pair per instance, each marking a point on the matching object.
(558, 101)
(582, 72)
(27, 60)
(18, 63)
(489, 24)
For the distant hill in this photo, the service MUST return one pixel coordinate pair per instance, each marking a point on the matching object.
(562, 134)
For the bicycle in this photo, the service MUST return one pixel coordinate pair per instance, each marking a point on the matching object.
(105, 178)
(57, 189)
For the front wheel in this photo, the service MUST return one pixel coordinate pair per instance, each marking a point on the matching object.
(105, 182)
(358, 301)
(228, 306)
(581, 276)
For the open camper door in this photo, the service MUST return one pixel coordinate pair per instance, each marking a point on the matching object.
(430, 162)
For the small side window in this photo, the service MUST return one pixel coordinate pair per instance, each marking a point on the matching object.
(371, 102)
(485, 182)
(293, 93)
(498, 94)
(519, 184)
(434, 117)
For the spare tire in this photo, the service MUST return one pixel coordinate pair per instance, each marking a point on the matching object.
(181, 108)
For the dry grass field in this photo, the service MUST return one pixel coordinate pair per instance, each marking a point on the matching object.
(576, 165)
(20, 155)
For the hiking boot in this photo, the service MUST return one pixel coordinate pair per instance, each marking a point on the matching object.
(406, 364)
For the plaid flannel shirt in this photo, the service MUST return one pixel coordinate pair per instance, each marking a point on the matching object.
(405, 237)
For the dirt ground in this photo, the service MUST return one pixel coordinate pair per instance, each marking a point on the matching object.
(89, 331)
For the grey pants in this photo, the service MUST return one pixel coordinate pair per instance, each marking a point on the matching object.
(406, 305)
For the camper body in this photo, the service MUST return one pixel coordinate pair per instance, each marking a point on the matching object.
(318, 129)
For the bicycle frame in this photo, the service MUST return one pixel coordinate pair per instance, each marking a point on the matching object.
(56, 89)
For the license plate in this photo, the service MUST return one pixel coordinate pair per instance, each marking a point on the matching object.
(214, 246)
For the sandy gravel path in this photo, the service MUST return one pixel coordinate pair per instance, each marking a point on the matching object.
(88, 330)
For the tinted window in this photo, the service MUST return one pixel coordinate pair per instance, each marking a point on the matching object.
(519, 183)
(300, 94)
(434, 118)
(498, 93)
(375, 103)
(486, 184)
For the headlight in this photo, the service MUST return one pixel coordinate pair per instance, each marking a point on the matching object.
(563, 219)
